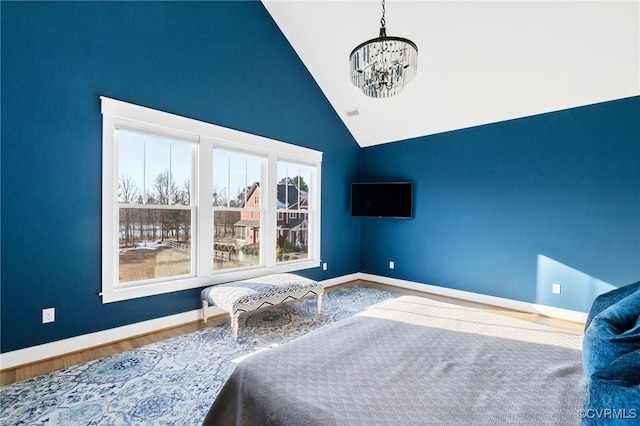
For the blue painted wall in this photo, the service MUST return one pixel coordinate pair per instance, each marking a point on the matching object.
(501, 209)
(226, 63)
(507, 209)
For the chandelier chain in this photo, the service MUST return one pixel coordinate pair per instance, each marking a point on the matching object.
(383, 22)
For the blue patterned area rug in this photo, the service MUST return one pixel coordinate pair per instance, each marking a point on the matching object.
(173, 382)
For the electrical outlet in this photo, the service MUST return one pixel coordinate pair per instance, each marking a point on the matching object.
(392, 265)
(556, 288)
(325, 266)
(48, 315)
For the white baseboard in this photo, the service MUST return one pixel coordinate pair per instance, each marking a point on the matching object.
(58, 348)
(86, 341)
(517, 305)
(341, 280)
(74, 344)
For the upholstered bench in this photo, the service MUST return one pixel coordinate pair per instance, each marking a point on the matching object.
(247, 295)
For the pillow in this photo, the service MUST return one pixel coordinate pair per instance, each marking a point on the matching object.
(613, 333)
(605, 300)
(614, 392)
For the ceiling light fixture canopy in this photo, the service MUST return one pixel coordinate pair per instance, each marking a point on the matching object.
(382, 66)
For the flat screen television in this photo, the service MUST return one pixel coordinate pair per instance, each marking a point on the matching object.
(382, 199)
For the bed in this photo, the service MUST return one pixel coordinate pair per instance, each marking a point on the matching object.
(411, 361)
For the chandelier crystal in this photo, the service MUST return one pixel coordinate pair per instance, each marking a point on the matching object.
(382, 66)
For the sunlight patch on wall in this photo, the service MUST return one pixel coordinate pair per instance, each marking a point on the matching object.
(577, 288)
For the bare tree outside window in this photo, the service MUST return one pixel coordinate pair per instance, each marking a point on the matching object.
(154, 241)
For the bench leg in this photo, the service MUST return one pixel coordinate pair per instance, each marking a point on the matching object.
(320, 303)
(205, 305)
(234, 326)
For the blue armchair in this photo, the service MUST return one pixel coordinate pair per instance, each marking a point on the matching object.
(611, 358)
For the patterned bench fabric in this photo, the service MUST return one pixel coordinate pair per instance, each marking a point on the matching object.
(247, 295)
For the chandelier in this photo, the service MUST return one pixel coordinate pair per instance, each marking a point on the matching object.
(381, 67)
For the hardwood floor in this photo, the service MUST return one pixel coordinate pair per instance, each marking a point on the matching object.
(576, 327)
(23, 372)
(27, 371)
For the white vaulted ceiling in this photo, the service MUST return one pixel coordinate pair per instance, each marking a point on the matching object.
(479, 62)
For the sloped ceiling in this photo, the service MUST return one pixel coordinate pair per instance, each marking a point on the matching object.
(479, 61)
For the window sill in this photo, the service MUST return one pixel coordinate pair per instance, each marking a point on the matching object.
(155, 288)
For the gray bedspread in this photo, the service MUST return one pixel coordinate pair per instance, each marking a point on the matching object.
(411, 361)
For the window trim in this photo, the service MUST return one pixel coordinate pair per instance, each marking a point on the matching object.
(206, 136)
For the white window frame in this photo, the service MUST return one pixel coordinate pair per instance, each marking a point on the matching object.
(206, 136)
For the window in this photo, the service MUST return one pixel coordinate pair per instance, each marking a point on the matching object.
(188, 204)
(154, 206)
(293, 204)
(237, 181)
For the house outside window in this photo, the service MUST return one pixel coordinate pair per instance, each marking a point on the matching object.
(292, 219)
(294, 185)
(185, 203)
(236, 214)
